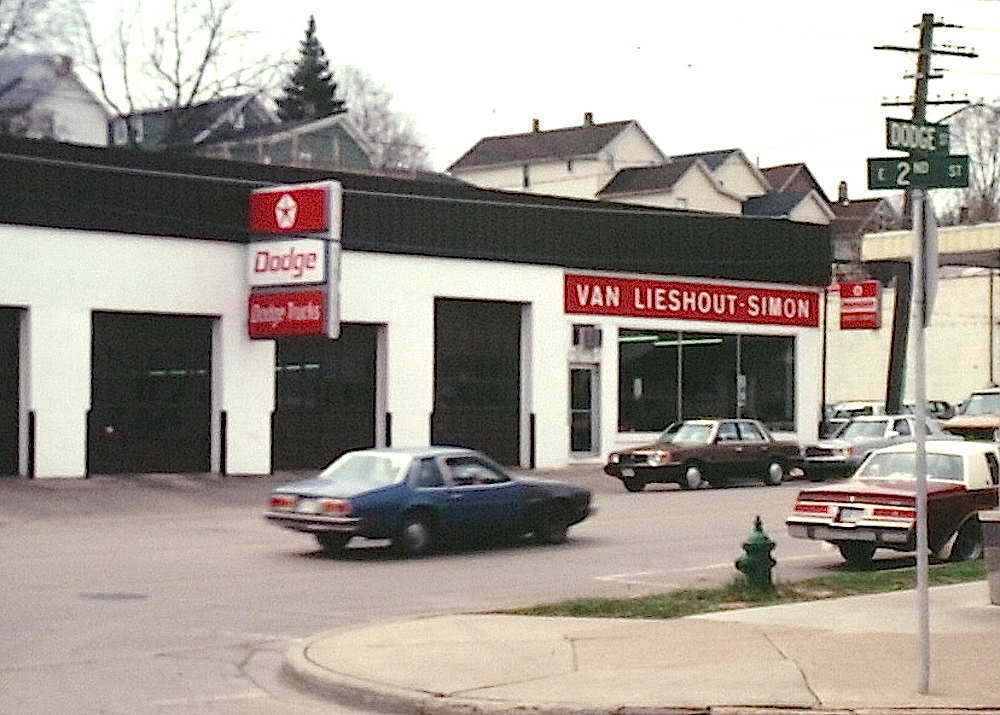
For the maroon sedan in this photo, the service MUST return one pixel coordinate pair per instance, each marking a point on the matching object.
(877, 507)
(713, 451)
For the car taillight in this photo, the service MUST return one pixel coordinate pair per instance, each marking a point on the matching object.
(334, 507)
(890, 513)
(806, 507)
(282, 502)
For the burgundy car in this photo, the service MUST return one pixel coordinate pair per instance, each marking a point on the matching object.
(877, 507)
(695, 452)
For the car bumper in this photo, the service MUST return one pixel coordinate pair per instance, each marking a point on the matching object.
(896, 537)
(312, 523)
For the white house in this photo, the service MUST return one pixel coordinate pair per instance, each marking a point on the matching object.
(617, 161)
(41, 97)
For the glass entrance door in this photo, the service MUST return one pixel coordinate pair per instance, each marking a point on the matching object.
(583, 410)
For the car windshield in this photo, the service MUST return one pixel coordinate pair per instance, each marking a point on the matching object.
(902, 465)
(857, 431)
(988, 404)
(367, 470)
(693, 433)
(670, 433)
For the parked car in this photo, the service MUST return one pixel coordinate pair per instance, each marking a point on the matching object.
(839, 456)
(877, 507)
(421, 497)
(843, 412)
(695, 452)
(979, 416)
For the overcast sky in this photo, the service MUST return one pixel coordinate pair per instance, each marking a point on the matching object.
(784, 80)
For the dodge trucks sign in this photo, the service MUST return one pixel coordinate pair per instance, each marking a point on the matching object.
(282, 314)
(642, 298)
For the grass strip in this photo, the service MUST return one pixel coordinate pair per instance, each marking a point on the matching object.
(739, 593)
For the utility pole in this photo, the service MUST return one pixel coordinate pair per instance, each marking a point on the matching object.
(925, 157)
(895, 381)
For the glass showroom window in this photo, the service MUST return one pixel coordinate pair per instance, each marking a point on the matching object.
(666, 376)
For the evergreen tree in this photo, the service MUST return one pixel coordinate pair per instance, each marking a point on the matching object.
(310, 92)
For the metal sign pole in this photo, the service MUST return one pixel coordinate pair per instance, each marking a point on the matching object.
(918, 322)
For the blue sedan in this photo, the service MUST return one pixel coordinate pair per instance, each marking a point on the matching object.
(422, 496)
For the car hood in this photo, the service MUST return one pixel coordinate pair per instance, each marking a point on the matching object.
(984, 420)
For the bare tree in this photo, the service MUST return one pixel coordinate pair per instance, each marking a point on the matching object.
(975, 130)
(174, 55)
(36, 25)
(397, 142)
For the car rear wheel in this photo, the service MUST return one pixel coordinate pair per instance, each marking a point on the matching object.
(693, 478)
(857, 553)
(775, 474)
(414, 537)
(968, 544)
(634, 484)
(332, 542)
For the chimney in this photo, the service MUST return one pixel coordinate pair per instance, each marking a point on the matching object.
(534, 125)
(588, 119)
(842, 193)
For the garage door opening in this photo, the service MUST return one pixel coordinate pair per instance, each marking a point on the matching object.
(151, 394)
(325, 397)
(477, 376)
(10, 320)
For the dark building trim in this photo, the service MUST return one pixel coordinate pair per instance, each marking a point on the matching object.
(119, 190)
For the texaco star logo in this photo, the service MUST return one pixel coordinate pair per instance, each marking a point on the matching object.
(285, 211)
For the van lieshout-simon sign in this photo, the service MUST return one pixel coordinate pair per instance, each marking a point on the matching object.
(640, 298)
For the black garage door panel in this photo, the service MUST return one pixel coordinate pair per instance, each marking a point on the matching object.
(151, 394)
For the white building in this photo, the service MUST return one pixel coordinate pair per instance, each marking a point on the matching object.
(541, 330)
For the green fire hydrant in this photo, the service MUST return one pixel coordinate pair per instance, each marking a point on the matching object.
(756, 563)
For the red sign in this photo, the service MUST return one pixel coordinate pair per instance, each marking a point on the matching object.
(282, 314)
(639, 298)
(290, 209)
(860, 305)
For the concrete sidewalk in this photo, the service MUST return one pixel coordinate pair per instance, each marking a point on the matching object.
(849, 654)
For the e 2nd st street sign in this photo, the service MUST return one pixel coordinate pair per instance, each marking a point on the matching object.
(926, 172)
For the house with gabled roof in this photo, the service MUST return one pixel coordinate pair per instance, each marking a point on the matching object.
(853, 219)
(617, 161)
(574, 162)
(41, 97)
(246, 128)
(685, 183)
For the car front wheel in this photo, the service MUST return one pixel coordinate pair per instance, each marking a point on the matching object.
(634, 484)
(553, 527)
(693, 478)
(775, 474)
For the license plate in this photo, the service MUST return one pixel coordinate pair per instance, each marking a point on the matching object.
(307, 506)
(628, 472)
(850, 514)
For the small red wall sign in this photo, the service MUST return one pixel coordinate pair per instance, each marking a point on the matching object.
(290, 210)
(860, 305)
(281, 314)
